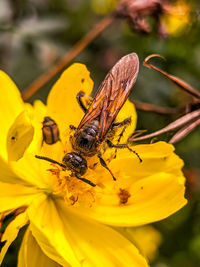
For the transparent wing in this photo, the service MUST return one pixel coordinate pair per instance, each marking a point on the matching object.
(112, 94)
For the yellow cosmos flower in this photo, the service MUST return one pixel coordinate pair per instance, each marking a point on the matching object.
(146, 238)
(178, 17)
(69, 221)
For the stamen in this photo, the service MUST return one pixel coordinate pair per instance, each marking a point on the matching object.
(75, 192)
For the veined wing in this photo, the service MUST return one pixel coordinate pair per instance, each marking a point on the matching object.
(112, 94)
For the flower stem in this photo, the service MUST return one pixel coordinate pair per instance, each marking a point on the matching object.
(188, 118)
(158, 109)
(67, 58)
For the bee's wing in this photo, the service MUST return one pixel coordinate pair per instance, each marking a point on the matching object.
(112, 94)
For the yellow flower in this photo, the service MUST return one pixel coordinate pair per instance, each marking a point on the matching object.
(70, 222)
(146, 238)
(178, 17)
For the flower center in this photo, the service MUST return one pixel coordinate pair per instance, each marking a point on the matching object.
(88, 187)
(75, 191)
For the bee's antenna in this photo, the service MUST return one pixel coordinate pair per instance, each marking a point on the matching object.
(51, 160)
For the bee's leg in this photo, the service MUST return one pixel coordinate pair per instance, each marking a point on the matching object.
(124, 123)
(103, 163)
(72, 127)
(84, 180)
(78, 97)
(118, 140)
(110, 144)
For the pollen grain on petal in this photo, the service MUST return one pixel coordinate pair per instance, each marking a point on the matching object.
(123, 195)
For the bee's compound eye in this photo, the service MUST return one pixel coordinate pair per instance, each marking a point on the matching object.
(67, 157)
(83, 168)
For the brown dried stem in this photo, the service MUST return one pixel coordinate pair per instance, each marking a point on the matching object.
(184, 131)
(68, 57)
(158, 109)
(180, 83)
(190, 117)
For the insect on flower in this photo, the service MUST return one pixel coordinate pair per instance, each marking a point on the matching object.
(50, 131)
(98, 126)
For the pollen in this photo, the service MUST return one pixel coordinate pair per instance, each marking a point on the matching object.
(74, 191)
(123, 196)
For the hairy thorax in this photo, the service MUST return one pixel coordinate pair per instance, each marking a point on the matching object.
(85, 140)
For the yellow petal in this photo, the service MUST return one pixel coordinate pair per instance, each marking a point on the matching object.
(34, 171)
(96, 244)
(13, 196)
(11, 232)
(66, 237)
(157, 157)
(11, 106)
(31, 255)
(48, 230)
(62, 105)
(7, 175)
(37, 114)
(26, 171)
(19, 136)
(178, 19)
(155, 150)
(38, 146)
(128, 110)
(144, 192)
(146, 238)
(150, 199)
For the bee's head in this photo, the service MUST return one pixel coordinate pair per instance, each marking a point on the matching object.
(75, 162)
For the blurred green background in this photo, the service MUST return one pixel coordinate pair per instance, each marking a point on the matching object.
(34, 34)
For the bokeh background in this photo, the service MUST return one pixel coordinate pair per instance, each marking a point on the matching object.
(34, 34)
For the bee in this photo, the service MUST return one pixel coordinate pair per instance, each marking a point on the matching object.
(98, 125)
(50, 131)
